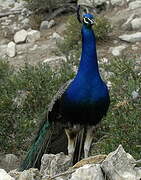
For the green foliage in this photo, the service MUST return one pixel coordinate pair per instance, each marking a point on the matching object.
(18, 121)
(24, 97)
(122, 124)
(102, 28)
(72, 35)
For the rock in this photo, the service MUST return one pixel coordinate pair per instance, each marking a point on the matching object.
(136, 24)
(117, 2)
(7, 3)
(56, 36)
(4, 175)
(55, 61)
(127, 25)
(135, 4)
(99, 2)
(53, 164)
(135, 94)
(11, 49)
(89, 3)
(136, 37)
(51, 23)
(20, 36)
(25, 21)
(44, 25)
(116, 51)
(15, 174)
(120, 165)
(47, 24)
(33, 36)
(30, 174)
(90, 160)
(88, 172)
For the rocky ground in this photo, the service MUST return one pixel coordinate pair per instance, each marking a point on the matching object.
(117, 165)
(19, 43)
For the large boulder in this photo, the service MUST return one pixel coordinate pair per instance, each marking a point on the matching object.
(30, 174)
(33, 36)
(9, 161)
(4, 175)
(120, 165)
(52, 164)
(88, 172)
(20, 36)
(135, 37)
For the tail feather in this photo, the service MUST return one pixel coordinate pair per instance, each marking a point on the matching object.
(79, 146)
(38, 148)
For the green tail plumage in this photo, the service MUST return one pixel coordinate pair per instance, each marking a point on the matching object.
(38, 148)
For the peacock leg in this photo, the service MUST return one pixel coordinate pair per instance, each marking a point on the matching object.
(88, 140)
(71, 135)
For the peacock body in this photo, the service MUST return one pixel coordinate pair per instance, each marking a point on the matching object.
(81, 102)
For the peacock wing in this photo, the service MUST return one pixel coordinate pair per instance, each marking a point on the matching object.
(58, 140)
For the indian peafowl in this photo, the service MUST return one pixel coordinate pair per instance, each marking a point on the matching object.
(77, 107)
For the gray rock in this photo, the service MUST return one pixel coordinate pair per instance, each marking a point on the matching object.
(4, 175)
(47, 24)
(55, 61)
(117, 2)
(11, 49)
(89, 3)
(120, 165)
(33, 36)
(127, 25)
(7, 3)
(88, 172)
(30, 174)
(25, 21)
(53, 164)
(135, 4)
(9, 162)
(116, 51)
(99, 2)
(51, 23)
(56, 36)
(20, 36)
(136, 24)
(44, 25)
(136, 37)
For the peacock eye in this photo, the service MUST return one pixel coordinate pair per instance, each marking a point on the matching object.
(86, 20)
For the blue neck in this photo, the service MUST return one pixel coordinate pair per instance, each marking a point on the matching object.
(88, 64)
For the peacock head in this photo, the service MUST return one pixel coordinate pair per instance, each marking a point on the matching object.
(88, 19)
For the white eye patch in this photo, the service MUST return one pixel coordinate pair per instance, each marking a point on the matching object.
(88, 21)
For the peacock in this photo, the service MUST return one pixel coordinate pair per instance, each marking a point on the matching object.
(77, 108)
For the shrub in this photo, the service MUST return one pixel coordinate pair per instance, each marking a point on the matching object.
(24, 97)
(72, 34)
(122, 124)
(18, 121)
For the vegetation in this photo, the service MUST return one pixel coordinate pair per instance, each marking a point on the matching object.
(19, 118)
(72, 35)
(24, 97)
(122, 124)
